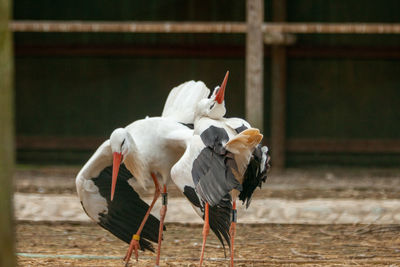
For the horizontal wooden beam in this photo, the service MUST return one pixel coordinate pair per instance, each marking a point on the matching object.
(181, 51)
(333, 28)
(201, 27)
(127, 27)
(204, 50)
(355, 52)
(344, 146)
(293, 145)
(58, 142)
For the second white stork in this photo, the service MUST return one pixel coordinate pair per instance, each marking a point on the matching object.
(230, 159)
(211, 170)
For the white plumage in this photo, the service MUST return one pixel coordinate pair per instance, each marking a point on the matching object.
(88, 193)
(148, 148)
(215, 162)
(182, 101)
(152, 147)
(158, 148)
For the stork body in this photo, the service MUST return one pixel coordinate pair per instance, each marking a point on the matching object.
(154, 146)
(210, 112)
(242, 167)
(209, 175)
(149, 148)
(124, 214)
(144, 150)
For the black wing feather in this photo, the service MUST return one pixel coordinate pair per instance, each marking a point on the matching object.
(212, 169)
(219, 215)
(213, 177)
(126, 211)
(220, 219)
(241, 129)
(189, 125)
(253, 176)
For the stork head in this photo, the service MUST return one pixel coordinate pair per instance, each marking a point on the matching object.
(120, 142)
(214, 106)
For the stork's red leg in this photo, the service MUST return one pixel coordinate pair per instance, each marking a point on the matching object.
(163, 212)
(206, 230)
(232, 230)
(134, 245)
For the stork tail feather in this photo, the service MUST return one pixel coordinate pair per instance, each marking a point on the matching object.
(256, 173)
(219, 215)
(220, 220)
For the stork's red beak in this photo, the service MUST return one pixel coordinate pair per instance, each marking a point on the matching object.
(221, 92)
(117, 158)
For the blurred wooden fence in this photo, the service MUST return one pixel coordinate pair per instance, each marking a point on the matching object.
(257, 32)
(7, 257)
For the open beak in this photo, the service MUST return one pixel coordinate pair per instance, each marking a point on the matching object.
(117, 158)
(221, 92)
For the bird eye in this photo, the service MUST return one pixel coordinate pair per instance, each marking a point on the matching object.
(211, 107)
(122, 143)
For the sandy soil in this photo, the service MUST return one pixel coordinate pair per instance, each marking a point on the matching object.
(256, 245)
(53, 207)
(296, 184)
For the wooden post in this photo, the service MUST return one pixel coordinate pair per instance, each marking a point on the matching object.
(278, 103)
(7, 253)
(255, 64)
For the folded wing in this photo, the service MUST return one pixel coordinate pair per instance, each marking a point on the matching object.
(123, 215)
(182, 175)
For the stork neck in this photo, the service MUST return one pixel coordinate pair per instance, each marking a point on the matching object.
(134, 163)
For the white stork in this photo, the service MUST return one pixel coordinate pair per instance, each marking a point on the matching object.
(145, 149)
(138, 147)
(222, 162)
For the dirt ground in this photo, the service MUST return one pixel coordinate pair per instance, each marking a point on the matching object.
(297, 184)
(256, 245)
(62, 243)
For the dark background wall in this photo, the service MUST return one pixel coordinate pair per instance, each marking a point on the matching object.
(85, 85)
